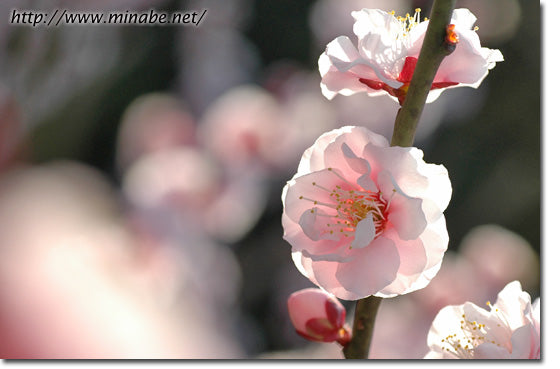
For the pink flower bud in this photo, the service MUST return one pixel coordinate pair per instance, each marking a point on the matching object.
(318, 316)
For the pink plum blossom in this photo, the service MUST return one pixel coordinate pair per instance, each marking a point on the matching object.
(151, 123)
(318, 316)
(75, 283)
(388, 49)
(364, 218)
(509, 330)
(242, 128)
(188, 185)
(512, 257)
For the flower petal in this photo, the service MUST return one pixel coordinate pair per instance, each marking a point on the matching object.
(463, 18)
(364, 233)
(413, 261)
(512, 302)
(300, 194)
(489, 350)
(374, 268)
(361, 166)
(356, 140)
(524, 343)
(318, 249)
(406, 213)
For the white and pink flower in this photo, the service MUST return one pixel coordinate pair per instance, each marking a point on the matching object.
(509, 330)
(318, 316)
(388, 49)
(364, 218)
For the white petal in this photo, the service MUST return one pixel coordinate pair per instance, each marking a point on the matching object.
(463, 18)
(489, 350)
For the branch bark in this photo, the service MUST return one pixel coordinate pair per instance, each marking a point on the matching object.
(362, 331)
(434, 49)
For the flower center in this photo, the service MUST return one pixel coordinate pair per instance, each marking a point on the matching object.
(352, 206)
(472, 334)
(408, 22)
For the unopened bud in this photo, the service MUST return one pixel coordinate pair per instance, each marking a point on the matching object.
(318, 316)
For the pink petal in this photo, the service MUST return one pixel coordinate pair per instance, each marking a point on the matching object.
(316, 315)
(334, 80)
(405, 213)
(322, 249)
(321, 328)
(415, 177)
(300, 193)
(323, 273)
(306, 304)
(356, 140)
(413, 260)
(343, 68)
(436, 239)
(360, 166)
(469, 63)
(312, 159)
(407, 217)
(373, 268)
(314, 222)
(402, 165)
(364, 233)
(336, 313)
(303, 265)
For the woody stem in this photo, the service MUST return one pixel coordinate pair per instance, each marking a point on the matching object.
(362, 331)
(434, 49)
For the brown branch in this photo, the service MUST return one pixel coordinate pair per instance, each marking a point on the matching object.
(362, 331)
(434, 49)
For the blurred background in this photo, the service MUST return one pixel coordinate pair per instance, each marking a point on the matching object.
(141, 169)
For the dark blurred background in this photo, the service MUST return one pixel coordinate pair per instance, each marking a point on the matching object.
(128, 109)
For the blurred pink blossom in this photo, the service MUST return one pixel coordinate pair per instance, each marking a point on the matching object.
(318, 316)
(73, 284)
(188, 187)
(153, 122)
(510, 330)
(512, 257)
(387, 53)
(243, 128)
(488, 257)
(364, 218)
